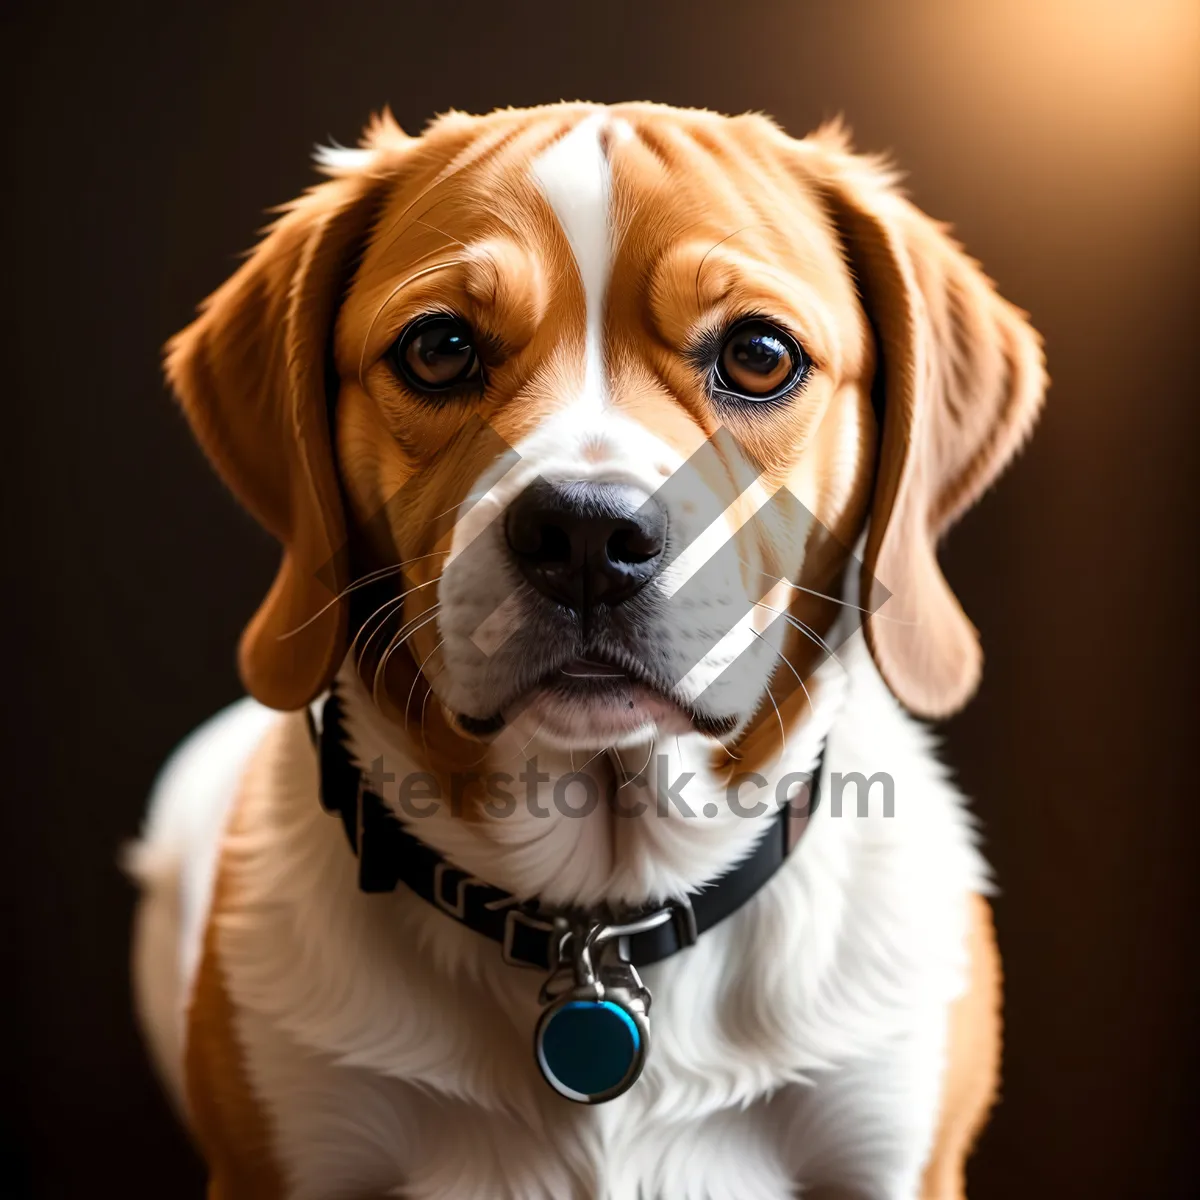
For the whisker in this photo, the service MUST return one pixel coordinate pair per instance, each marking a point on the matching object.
(382, 615)
(418, 623)
(649, 756)
(444, 513)
(408, 562)
(533, 735)
(430, 692)
(397, 641)
(386, 607)
(421, 718)
(421, 675)
(832, 599)
(771, 697)
(788, 664)
(438, 518)
(391, 604)
(811, 634)
(602, 750)
(363, 581)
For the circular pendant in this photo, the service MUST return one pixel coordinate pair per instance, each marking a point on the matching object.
(591, 1050)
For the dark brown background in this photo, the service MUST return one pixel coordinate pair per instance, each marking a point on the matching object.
(139, 150)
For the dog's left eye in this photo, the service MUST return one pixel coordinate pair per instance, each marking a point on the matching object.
(435, 353)
(758, 361)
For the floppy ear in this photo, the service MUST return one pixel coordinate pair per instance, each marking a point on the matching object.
(961, 378)
(250, 374)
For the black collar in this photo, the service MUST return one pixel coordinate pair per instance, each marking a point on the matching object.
(389, 854)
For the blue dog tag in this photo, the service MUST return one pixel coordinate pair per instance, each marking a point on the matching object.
(589, 1050)
(593, 1035)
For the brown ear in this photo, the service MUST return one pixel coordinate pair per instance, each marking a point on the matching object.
(962, 380)
(250, 374)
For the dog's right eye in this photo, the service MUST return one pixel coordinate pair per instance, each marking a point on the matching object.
(759, 362)
(436, 353)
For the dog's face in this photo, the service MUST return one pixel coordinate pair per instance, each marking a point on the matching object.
(594, 379)
(598, 390)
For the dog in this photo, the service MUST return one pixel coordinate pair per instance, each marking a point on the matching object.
(608, 449)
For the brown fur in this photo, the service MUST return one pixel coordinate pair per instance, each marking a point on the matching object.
(226, 1115)
(972, 1062)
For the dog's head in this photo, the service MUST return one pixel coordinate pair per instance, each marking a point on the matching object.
(608, 396)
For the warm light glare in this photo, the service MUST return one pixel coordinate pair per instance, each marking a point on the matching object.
(1069, 74)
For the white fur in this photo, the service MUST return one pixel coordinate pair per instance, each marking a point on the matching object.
(342, 160)
(575, 176)
(798, 1042)
(176, 861)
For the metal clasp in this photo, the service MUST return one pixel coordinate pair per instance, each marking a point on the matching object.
(678, 912)
(571, 965)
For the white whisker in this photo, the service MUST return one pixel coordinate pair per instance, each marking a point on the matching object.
(418, 623)
(533, 735)
(771, 697)
(421, 675)
(808, 632)
(382, 613)
(362, 582)
(797, 587)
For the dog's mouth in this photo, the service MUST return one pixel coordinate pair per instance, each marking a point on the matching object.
(597, 700)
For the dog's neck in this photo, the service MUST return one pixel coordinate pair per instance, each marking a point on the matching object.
(648, 821)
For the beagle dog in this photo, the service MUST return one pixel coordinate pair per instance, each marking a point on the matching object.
(608, 449)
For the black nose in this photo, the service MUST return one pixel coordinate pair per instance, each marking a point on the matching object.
(584, 544)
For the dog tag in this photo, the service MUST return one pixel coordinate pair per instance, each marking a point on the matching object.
(591, 1040)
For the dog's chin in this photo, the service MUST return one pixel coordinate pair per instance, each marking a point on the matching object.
(581, 713)
(594, 704)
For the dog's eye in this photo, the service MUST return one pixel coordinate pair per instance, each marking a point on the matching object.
(759, 361)
(435, 353)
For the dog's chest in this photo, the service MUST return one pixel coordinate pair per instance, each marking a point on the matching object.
(799, 1041)
(716, 1115)
(449, 1104)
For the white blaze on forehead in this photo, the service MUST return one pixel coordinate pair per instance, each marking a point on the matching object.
(575, 176)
